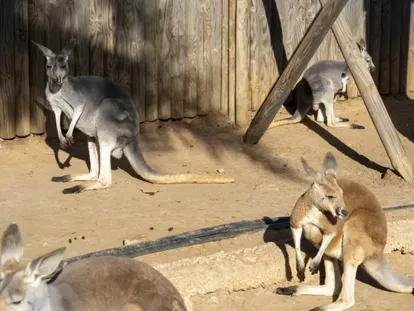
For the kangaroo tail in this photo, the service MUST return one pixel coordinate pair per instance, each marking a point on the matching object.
(135, 157)
(382, 272)
(296, 118)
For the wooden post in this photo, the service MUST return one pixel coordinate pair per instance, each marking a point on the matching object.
(232, 61)
(243, 99)
(294, 69)
(372, 98)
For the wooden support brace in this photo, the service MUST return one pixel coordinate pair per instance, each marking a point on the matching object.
(300, 59)
(372, 98)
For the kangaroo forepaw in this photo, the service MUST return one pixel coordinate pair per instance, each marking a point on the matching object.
(64, 178)
(287, 291)
(66, 142)
(314, 266)
(73, 190)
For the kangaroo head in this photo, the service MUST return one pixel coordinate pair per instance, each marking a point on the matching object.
(365, 55)
(325, 193)
(19, 283)
(57, 64)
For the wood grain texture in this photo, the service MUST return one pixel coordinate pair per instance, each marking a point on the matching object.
(405, 40)
(177, 34)
(110, 20)
(7, 94)
(190, 87)
(254, 55)
(21, 67)
(224, 106)
(135, 25)
(374, 41)
(164, 58)
(384, 83)
(215, 59)
(395, 47)
(295, 67)
(243, 99)
(37, 24)
(81, 52)
(123, 68)
(410, 62)
(96, 37)
(67, 16)
(232, 60)
(372, 99)
(204, 35)
(151, 62)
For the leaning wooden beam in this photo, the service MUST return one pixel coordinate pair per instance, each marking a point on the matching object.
(295, 67)
(372, 98)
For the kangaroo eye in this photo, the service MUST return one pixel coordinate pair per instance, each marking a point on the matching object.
(330, 196)
(17, 302)
(48, 66)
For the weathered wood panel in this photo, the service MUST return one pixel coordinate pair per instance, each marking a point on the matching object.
(374, 43)
(410, 62)
(384, 83)
(7, 93)
(96, 37)
(395, 47)
(21, 51)
(232, 60)
(224, 105)
(405, 45)
(215, 59)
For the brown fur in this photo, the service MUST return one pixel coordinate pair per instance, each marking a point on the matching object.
(358, 236)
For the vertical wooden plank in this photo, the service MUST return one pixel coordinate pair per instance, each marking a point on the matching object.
(177, 58)
(242, 63)
(232, 60)
(110, 18)
(7, 91)
(225, 58)
(151, 61)
(164, 59)
(410, 62)
(123, 68)
(395, 46)
(67, 13)
(21, 13)
(405, 39)
(384, 83)
(203, 96)
(81, 52)
(190, 90)
(374, 41)
(96, 37)
(135, 25)
(215, 60)
(37, 25)
(254, 55)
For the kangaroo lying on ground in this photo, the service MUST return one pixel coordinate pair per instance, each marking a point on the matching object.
(95, 284)
(106, 114)
(319, 85)
(345, 220)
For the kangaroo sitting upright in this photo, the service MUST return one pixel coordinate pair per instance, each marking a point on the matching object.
(319, 85)
(93, 284)
(105, 112)
(357, 237)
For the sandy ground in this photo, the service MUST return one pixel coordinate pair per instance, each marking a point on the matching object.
(269, 179)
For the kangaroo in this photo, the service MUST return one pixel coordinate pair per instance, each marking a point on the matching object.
(320, 84)
(346, 222)
(100, 283)
(106, 114)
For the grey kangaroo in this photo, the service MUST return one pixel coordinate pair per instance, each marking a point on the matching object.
(344, 219)
(93, 284)
(105, 112)
(320, 84)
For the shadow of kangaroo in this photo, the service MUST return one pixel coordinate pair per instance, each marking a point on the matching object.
(346, 222)
(99, 283)
(106, 114)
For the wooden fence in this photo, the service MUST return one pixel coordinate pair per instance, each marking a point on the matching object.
(184, 58)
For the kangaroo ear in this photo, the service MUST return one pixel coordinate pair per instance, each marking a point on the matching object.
(329, 164)
(46, 52)
(67, 50)
(11, 244)
(45, 265)
(310, 171)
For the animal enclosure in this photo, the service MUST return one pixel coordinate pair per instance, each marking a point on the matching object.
(182, 58)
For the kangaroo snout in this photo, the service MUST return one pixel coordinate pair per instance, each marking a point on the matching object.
(341, 212)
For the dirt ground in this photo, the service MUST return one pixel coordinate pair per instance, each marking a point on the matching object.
(269, 179)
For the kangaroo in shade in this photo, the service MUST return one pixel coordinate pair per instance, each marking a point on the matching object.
(320, 84)
(346, 222)
(93, 284)
(106, 114)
